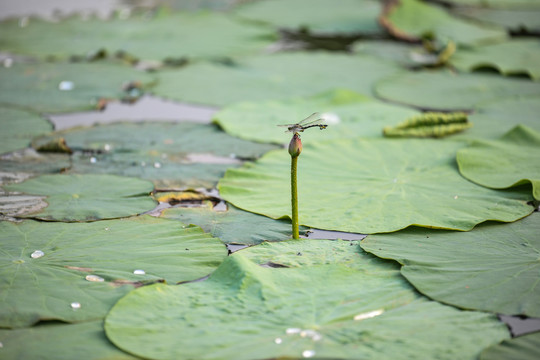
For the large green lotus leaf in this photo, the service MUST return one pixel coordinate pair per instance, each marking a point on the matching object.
(347, 113)
(64, 87)
(151, 38)
(522, 348)
(18, 127)
(520, 56)
(499, 164)
(37, 288)
(86, 340)
(493, 119)
(272, 77)
(413, 20)
(404, 54)
(233, 226)
(371, 186)
(88, 197)
(492, 268)
(516, 20)
(317, 16)
(170, 155)
(294, 313)
(441, 90)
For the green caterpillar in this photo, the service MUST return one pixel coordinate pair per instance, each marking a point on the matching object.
(430, 124)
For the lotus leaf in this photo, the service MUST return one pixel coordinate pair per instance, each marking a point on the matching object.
(347, 113)
(516, 20)
(59, 87)
(20, 165)
(317, 319)
(513, 57)
(18, 127)
(376, 186)
(272, 77)
(343, 17)
(505, 4)
(88, 197)
(439, 90)
(233, 226)
(510, 161)
(151, 38)
(61, 342)
(492, 268)
(47, 266)
(413, 20)
(523, 348)
(404, 54)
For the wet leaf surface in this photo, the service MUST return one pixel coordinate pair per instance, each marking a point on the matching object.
(61, 342)
(347, 113)
(272, 77)
(491, 268)
(87, 197)
(155, 37)
(316, 320)
(521, 56)
(415, 20)
(507, 162)
(46, 266)
(376, 186)
(64, 87)
(18, 127)
(441, 90)
(325, 17)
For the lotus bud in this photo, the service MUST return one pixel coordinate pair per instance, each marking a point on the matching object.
(295, 146)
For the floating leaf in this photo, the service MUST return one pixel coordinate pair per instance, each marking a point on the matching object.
(272, 77)
(21, 165)
(401, 53)
(441, 90)
(344, 17)
(171, 155)
(18, 127)
(60, 342)
(414, 20)
(523, 348)
(504, 4)
(376, 186)
(499, 164)
(430, 124)
(233, 226)
(347, 113)
(150, 38)
(520, 56)
(516, 20)
(43, 86)
(317, 319)
(88, 197)
(492, 268)
(44, 287)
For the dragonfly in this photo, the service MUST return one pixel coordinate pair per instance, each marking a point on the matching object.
(313, 120)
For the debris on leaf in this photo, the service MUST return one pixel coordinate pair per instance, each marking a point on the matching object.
(430, 124)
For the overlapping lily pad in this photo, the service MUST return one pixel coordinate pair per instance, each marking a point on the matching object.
(372, 186)
(21, 165)
(523, 348)
(414, 20)
(517, 20)
(513, 160)
(18, 127)
(347, 113)
(88, 197)
(272, 77)
(155, 37)
(49, 266)
(233, 226)
(492, 268)
(520, 56)
(325, 16)
(442, 90)
(336, 311)
(171, 155)
(63, 87)
(60, 342)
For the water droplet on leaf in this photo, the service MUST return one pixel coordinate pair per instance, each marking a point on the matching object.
(66, 85)
(37, 254)
(157, 165)
(94, 278)
(292, 331)
(368, 315)
(278, 341)
(93, 160)
(8, 62)
(308, 353)
(107, 147)
(75, 305)
(139, 272)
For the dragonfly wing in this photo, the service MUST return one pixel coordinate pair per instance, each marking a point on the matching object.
(311, 118)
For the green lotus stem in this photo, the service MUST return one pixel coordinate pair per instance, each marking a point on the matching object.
(295, 148)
